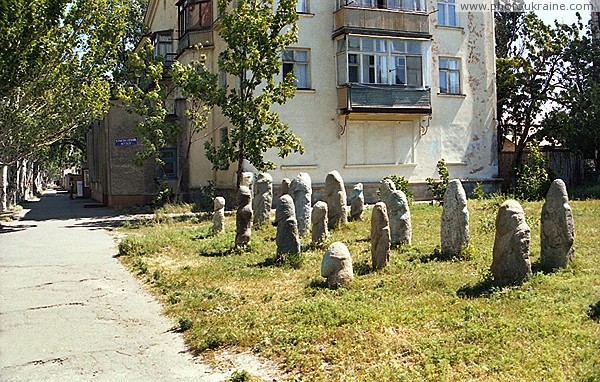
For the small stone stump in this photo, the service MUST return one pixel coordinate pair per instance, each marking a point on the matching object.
(319, 223)
(263, 198)
(243, 217)
(398, 213)
(287, 239)
(454, 228)
(218, 215)
(357, 205)
(557, 228)
(511, 262)
(336, 266)
(285, 186)
(336, 200)
(380, 236)
(301, 192)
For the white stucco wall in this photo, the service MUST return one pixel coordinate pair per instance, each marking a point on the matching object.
(367, 147)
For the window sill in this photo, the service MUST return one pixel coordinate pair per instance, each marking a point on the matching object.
(451, 95)
(305, 90)
(450, 28)
(456, 163)
(383, 165)
(299, 167)
(306, 14)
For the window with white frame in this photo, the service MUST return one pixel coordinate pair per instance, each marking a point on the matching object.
(302, 6)
(447, 13)
(449, 76)
(369, 60)
(296, 61)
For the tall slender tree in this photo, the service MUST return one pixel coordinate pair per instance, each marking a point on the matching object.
(255, 32)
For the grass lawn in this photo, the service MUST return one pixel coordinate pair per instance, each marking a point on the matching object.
(420, 318)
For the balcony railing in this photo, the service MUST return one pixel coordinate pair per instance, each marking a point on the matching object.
(373, 98)
(381, 22)
(169, 61)
(193, 38)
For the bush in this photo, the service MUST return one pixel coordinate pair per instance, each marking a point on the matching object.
(240, 376)
(438, 187)
(532, 180)
(206, 197)
(401, 184)
(478, 192)
(185, 323)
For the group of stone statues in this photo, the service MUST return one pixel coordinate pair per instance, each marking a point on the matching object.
(511, 262)
(391, 224)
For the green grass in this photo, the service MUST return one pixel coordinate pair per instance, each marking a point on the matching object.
(420, 318)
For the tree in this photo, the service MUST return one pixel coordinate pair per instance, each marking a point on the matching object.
(575, 123)
(528, 78)
(55, 60)
(255, 33)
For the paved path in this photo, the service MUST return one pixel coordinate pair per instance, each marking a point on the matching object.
(70, 312)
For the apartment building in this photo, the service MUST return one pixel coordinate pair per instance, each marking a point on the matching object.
(384, 87)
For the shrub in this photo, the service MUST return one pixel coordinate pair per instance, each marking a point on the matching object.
(185, 323)
(240, 376)
(438, 187)
(206, 197)
(478, 192)
(532, 180)
(401, 184)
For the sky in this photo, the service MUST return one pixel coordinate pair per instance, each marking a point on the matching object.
(565, 17)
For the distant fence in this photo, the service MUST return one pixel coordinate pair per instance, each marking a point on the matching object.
(565, 165)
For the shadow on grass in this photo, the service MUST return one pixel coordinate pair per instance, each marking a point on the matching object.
(362, 268)
(317, 284)
(482, 288)
(224, 252)
(594, 311)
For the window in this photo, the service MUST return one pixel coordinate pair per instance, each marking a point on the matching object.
(302, 6)
(162, 43)
(380, 143)
(194, 15)
(447, 13)
(169, 157)
(296, 62)
(449, 76)
(380, 61)
(404, 5)
(222, 79)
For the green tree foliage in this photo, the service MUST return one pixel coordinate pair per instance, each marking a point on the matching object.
(528, 76)
(532, 181)
(575, 123)
(145, 95)
(255, 33)
(438, 187)
(55, 60)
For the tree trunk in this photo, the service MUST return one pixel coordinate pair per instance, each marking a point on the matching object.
(3, 187)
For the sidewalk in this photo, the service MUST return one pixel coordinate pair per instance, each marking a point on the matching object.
(70, 312)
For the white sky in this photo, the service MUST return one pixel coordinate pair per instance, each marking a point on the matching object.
(565, 17)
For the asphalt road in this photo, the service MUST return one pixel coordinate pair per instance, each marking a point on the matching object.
(69, 311)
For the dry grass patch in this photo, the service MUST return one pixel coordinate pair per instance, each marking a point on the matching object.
(420, 318)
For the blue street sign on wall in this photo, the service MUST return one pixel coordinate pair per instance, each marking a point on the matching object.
(125, 141)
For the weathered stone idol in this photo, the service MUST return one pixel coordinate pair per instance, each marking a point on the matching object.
(336, 200)
(511, 262)
(287, 239)
(243, 217)
(557, 228)
(301, 192)
(247, 179)
(357, 205)
(285, 186)
(380, 236)
(263, 198)
(319, 223)
(218, 214)
(398, 213)
(454, 228)
(336, 266)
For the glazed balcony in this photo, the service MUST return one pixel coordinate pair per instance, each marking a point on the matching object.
(192, 38)
(373, 98)
(383, 22)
